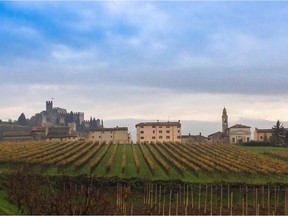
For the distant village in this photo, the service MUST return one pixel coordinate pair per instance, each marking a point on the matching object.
(56, 124)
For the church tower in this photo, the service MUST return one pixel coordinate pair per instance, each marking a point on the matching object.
(224, 121)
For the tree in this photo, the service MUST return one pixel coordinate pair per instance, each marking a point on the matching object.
(22, 119)
(278, 135)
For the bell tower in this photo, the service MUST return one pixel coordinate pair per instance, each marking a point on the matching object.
(224, 121)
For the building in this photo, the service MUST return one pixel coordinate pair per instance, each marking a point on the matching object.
(11, 136)
(262, 134)
(235, 134)
(194, 139)
(239, 133)
(158, 132)
(54, 115)
(60, 134)
(116, 135)
(38, 132)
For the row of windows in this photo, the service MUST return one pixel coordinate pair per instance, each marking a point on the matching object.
(160, 131)
(161, 137)
(160, 127)
(100, 137)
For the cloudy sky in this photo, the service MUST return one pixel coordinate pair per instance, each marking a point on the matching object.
(149, 60)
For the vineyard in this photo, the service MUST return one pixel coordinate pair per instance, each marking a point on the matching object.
(191, 163)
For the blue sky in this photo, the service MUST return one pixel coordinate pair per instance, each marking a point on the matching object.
(148, 60)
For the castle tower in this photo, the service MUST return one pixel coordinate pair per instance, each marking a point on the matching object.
(224, 121)
(49, 105)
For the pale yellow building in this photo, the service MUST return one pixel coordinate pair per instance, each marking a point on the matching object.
(117, 135)
(158, 132)
(239, 133)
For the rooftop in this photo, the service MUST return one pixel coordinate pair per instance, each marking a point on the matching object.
(159, 124)
(111, 129)
(240, 126)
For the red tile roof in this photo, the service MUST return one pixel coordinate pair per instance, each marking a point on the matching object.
(159, 124)
(111, 129)
(240, 126)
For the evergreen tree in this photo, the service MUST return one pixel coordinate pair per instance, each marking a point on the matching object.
(22, 119)
(278, 136)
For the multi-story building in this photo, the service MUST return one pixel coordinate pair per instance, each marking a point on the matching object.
(158, 132)
(116, 135)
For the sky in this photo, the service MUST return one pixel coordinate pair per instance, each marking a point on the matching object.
(166, 60)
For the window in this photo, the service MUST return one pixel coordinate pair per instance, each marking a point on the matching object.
(142, 138)
(178, 131)
(167, 131)
(160, 137)
(160, 126)
(261, 137)
(160, 131)
(247, 139)
(167, 137)
(178, 137)
(111, 136)
(142, 127)
(233, 140)
(167, 126)
(142, 132)
(153, 126)
(153, 131)
(100, 137)
(153, 137)
(92, 137)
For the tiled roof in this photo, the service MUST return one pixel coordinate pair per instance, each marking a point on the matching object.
(159, 124)
(240, 126)
(111, 129)
(263, 130)
(193, 136)
(219, 132)
(15, 134)
(60, 135)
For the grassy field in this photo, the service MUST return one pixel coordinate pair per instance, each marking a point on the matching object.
(263, 149)
(6, 207)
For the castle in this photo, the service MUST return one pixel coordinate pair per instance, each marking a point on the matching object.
(56, 116)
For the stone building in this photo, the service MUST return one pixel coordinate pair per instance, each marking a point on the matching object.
(116, 135)
(11, 136)
(158, 132)
(60, 134)
(194, 139)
